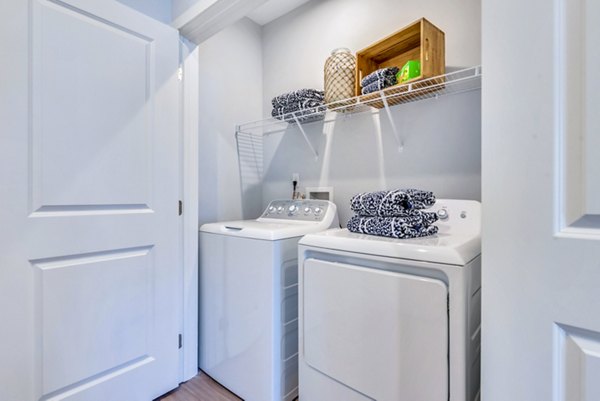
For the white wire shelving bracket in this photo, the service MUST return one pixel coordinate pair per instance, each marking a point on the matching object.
(399, 139)
(308, 142)
(464, 80)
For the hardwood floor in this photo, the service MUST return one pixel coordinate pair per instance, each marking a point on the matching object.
(200, 388)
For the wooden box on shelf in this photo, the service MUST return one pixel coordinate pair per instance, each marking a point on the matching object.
(420, 41)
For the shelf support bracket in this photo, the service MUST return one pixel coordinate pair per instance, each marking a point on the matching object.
(301, 128)
(399, 140)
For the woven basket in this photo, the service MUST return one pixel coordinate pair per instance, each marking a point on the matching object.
(340, 77)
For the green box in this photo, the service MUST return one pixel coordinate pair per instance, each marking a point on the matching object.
(411, 69)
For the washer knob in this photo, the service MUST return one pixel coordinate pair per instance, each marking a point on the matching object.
(442, 214)
(318, 210)
(271, 209)
(307, 210)
(292, 209)
(279, 209)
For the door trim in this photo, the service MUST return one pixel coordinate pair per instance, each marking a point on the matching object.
(189, 194)
(205, 18)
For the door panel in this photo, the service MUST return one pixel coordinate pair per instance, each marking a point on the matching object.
(102, 114)
(103, 296)
(541, 221)
(89, 246)
(578, 35)
(591, 62)
(578, 364)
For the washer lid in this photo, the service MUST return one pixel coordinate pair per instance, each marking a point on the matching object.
(266, 229)
(457, 242)
(283, 218)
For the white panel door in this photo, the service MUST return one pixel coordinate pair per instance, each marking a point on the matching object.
(541, 200)
(382, 334)
(89, 263)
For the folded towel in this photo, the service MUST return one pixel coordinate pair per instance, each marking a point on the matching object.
(393, 227)
(379, 85)
(297, 96)
(303, 115)
(306, 105)
(391, 203)
(412, 217)
(381, 74)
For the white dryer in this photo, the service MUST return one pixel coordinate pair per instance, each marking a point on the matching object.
(249, 298)
(392, 320)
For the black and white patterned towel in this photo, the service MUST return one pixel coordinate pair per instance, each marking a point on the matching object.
(391, 203)
(393, 227)
(313, 105)
(379, 75)
(304, 115)
(298, 96)
(306, 105)
(379, 85)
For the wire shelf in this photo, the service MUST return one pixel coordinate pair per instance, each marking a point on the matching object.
(460, 81)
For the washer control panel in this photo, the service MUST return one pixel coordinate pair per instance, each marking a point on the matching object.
(301, 210)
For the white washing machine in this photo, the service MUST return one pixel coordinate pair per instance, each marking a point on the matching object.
(392, 320)
(249, 298)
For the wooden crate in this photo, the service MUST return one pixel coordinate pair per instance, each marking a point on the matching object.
(420, 40)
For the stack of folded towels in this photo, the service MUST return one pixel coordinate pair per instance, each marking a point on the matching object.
(397, 214)
(379, 80)
(302, 103)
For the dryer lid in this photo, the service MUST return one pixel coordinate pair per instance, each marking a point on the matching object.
(457, 242)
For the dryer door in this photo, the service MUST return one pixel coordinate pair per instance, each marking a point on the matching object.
(381, 333)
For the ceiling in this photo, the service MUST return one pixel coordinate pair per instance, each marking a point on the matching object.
(274, 9)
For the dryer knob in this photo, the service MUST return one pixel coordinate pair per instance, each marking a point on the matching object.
(442, 214)
(318, 210)
(307, 210)
(280, 209)
(292, 209)
(271, 209)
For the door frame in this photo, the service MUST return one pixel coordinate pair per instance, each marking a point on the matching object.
(189, 92)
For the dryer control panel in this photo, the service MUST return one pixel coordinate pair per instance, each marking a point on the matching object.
(300, 210)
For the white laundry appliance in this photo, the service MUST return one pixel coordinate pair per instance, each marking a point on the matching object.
(392, 320)
(249, 298)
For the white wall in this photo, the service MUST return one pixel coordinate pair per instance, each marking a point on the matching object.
(296, 45)
(230, 93)
(157, 9)
(442, 151)
(244, 66)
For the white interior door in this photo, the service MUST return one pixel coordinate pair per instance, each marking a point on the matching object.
(541, 200)
(89, 235)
